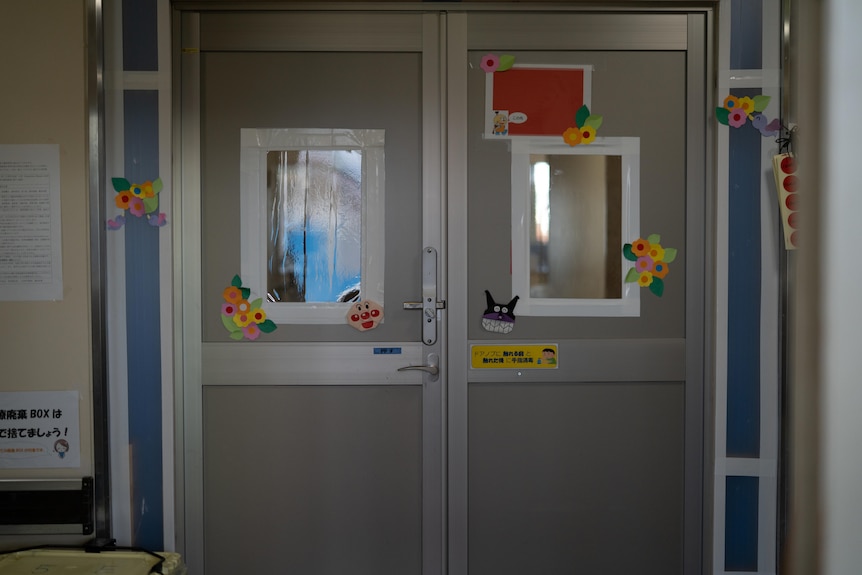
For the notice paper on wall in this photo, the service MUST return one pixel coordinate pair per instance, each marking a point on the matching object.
(39, 429)
(30, 249)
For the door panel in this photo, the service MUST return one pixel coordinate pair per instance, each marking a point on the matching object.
(562, 473)
(314, 90)
(627, 93)
(323, 479)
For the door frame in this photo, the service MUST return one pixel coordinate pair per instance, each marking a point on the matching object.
(448, 142)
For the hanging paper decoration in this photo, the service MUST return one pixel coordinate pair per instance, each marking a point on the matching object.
(365, 315)
(786, 182)
(651, 263)
(140, 200)
(736, 112)
(584, 131)
(493, 63)
(242, 318)
(499, 318)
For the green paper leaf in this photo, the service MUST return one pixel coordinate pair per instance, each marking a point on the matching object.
(761, 102)
(237, 335)
(722, 115)
(669, 255)
(157, 185)
(257, 303)
(121, 184)
(654, 239)
(657, 286)
(594, 121)
(581, 116)
(229, 324)
(629, 254)
(267, 326)
(506, 62)
(151, 204)
(236, 282)
(245, 292)
(632, 276)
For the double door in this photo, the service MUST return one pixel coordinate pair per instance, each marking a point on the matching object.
(334, 163)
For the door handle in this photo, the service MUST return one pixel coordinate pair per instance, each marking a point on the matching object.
(429, 304)
(430, 368)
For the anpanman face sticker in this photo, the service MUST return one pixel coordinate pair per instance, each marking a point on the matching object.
(365, 315)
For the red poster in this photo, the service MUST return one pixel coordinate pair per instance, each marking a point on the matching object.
(537, 101)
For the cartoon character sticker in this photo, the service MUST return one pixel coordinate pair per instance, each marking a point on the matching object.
(501, 122)
(549, 357)
(499, 318)
(61, 446)
(365, 315)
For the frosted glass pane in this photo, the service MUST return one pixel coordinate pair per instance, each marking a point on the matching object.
(575, 226)
(314, 218)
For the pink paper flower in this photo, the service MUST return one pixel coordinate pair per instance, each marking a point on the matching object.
(136, 206)
(644, 264)
(251, 331)
(490, 62)
(228, 309)
(737, 117)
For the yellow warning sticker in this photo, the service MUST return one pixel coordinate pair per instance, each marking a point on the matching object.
(541, 356)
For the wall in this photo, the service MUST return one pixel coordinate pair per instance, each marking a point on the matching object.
(45, 346)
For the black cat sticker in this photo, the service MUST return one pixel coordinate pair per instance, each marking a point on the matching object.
(499, 318)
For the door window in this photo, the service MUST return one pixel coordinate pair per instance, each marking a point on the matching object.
(573, 208)
(312, 213)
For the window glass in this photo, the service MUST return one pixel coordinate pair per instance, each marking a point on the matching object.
(314, 225)
(575, 226)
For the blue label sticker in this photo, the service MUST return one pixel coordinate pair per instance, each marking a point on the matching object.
(387, 351)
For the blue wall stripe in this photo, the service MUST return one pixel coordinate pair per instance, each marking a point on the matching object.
(140, 36)
(742, 496)
(746, 34)
(744, 290)
(141, 140)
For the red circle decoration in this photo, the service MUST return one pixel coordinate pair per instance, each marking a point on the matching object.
(788, 165)
(791, 202)
(793, 220)
(790, 183)
(793, 238)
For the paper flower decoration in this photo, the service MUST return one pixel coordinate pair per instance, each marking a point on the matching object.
(736, 112)
(493, 63)
(140, 200)
(651, 263)
(585, 128)
(241, 317)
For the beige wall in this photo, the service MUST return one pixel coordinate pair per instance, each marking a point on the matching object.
(45, 346)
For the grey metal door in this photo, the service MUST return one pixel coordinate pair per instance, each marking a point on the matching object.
(596, 465)
(309, 448)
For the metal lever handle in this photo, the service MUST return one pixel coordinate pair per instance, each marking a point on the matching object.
(432, 369)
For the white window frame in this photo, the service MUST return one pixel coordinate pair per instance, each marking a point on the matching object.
(255, 144)
(629, 150)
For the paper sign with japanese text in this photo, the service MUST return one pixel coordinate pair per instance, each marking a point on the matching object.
(39, 429)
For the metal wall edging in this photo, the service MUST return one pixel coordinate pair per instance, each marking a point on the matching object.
(98, 277)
